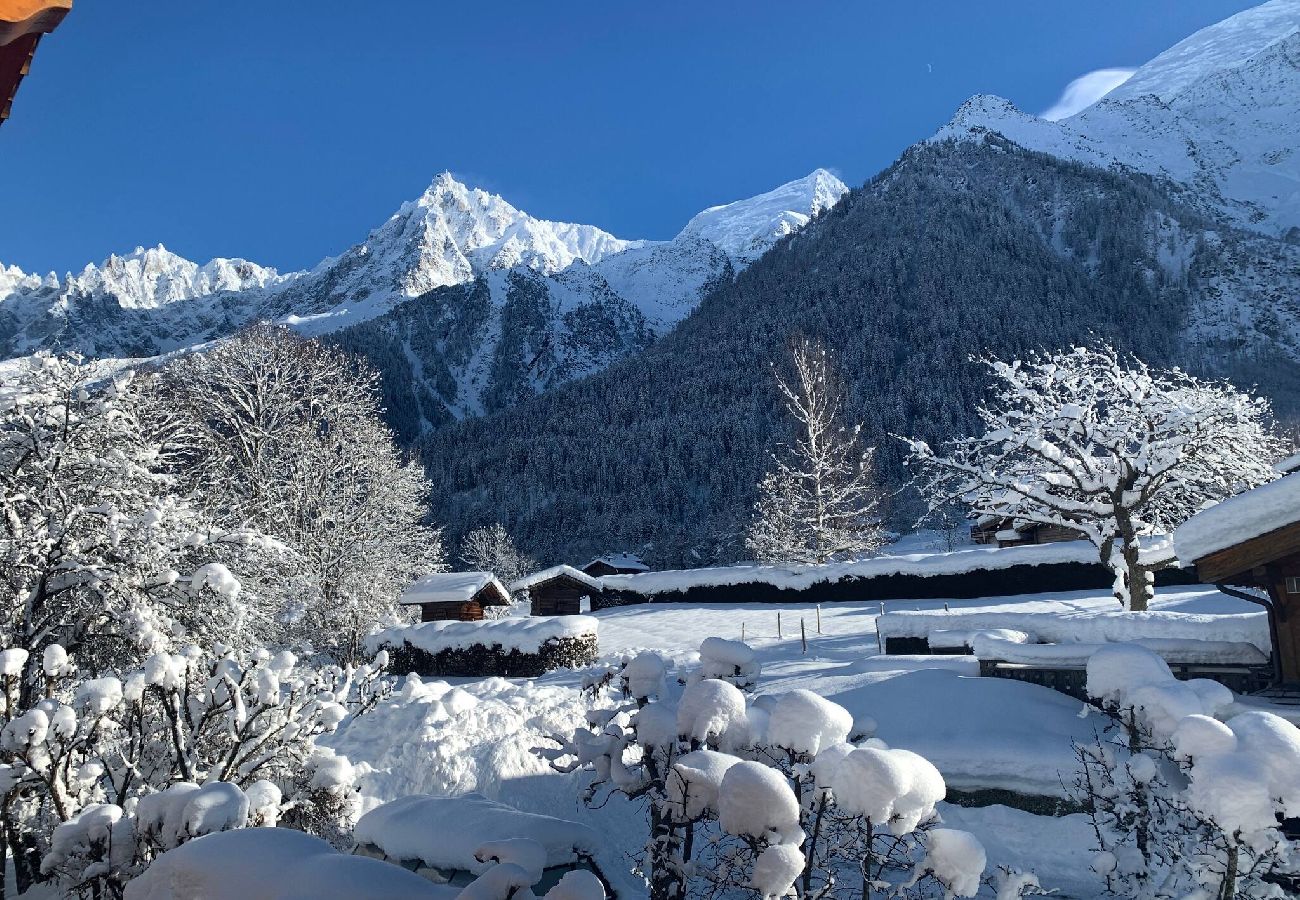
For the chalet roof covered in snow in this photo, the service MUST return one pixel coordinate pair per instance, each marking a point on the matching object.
(622, 561)
(537, 578)
(454, 587)
(1238, 519)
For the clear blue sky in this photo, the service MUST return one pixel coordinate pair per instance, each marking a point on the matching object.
(283, 131)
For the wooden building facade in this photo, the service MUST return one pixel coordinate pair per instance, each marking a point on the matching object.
(1001, 533)
(615, 564)
(1252, 541)
(559, 591)
(455, 596)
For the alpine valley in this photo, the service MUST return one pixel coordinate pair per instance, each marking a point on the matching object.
(595, 394)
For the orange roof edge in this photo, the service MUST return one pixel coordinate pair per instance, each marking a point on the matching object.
(23, 17)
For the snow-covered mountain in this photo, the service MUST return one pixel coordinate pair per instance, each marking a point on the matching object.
(590, 297)
(1218, 114)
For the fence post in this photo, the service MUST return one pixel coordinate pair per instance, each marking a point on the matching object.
(778, 624)
(803, 636)
(742, 631)
(819, 618)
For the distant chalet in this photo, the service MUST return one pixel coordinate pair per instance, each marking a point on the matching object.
(455, 596)
(615, 564)
(22, 23)
(1252, 540)
(992, 531)
(558, 591)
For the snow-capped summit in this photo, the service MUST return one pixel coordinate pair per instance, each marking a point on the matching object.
(1216, 114)
(1219, 47)
(153, 277)
(745, 229)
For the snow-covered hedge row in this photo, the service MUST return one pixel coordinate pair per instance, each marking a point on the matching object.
(926, 565)
(1173, 650)
(1098, 627)
(515, 647)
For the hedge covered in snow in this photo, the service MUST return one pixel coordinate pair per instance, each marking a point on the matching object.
(976, 572)
(1097, 627)
(514, 647)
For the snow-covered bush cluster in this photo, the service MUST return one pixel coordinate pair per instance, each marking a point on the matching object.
(1183, 804)
(150, 608)
(1087, 440)
(767, 796)
(101, 774)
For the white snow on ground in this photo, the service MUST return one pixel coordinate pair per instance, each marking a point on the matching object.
(444, 739)
(1248, 515)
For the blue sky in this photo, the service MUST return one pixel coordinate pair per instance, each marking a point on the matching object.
(283, 131)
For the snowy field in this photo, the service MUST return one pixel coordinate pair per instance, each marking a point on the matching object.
(479, 735)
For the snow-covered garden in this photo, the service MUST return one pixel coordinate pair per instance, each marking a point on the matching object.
(210, 689)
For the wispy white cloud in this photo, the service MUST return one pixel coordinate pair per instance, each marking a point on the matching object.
(1086, 90)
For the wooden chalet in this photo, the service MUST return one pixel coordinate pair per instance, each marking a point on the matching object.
(558, 591)
(993, 531)
(22, 24)
(1252, 541)
(615, 564)
(455, 596)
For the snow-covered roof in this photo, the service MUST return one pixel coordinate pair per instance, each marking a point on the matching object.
(800, 577)
(452, 587)
(620, 561)
(445, 832)
(537, 578)
(1248, 515)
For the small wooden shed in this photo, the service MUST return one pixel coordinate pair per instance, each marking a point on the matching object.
(455, 596)
(558, 591)
(615, 564)
(22, 23)
(1252, 541)
(991, 530)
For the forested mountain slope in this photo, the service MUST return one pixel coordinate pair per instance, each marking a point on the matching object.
(960, 247)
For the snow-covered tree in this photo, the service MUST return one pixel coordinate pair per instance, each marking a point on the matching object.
(490, 548)
(284, 435)
(1104, 445)
(819, 501)
(766, 797)
(96, 548)
(1183, 804)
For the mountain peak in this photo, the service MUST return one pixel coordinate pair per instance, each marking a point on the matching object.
(745, 229)
(1215, 48)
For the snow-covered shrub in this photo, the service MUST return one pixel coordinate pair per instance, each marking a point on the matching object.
(103, 773)
(731, 661)
(764, 796)
(1184, 804)
(1087, 440)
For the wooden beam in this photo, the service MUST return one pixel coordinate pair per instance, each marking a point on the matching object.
(23, 17)
(1240, 560)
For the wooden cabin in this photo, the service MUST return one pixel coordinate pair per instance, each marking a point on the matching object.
(1252, 541)
(558, 591)
(991, 530)
(22, 23)
(615, 564)
(455, 596)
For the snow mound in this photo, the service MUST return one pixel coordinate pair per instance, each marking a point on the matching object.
(756, 801)
(897, 788)
(449, 832)
(448, 587)
(956, 859)
(274, 864)
(805, 723)
(710, 709)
